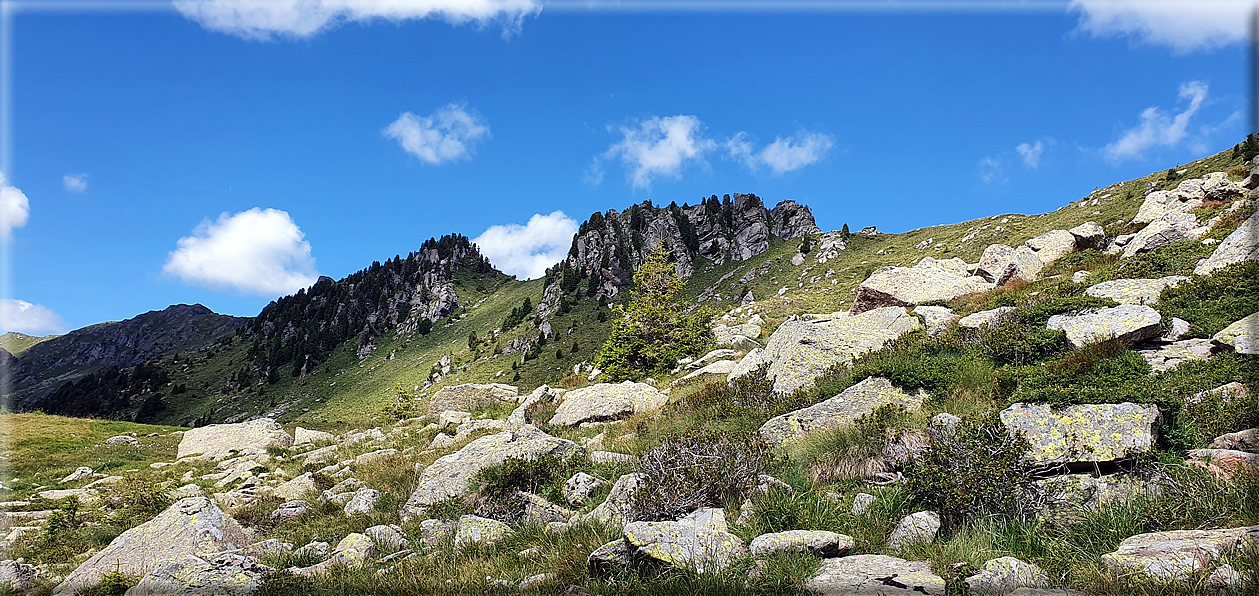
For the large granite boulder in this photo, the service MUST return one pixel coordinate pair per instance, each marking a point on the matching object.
(1004, 575)
(1052, 245)
(1242, 335)
(223, 574)
(1089, 235)
(480, 530)
(615, 510)
(937, 318)
(1000, 264)
(1085, 434)
(843, 409)
(927, 281)
(1128, 323)
(450, 474)
(1135, 291)
(297, 488)
(219, 441)
(1186, 197)
(192, 526)
(875, 575)
(607, 401)
(683, 545)
(470, 396)
(913, 528)
(803, 349)
(1177, 554)
(818, 543)
(1241, 245)
(1167, 229)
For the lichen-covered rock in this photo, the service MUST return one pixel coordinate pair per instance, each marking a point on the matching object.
(539, 510)
(388, 537)
(801, 350)
(1052, 245)
(1167, 229)
(1003, 575)
(353, 550)
(1001, 263)
(1129, 323)
(1135, 291)
(362, 502)
(480, 530)
(224, 574)
(450, 474)
(937, 318)
(297, 488)
(609, 558)
(751, 361)
(1242, 440)
(736, 334)
(683, 545)
(580, 486)
(1068, 496)
(1241, 245)
(713, 518)
(927, 281)
(1225, 463)
(435, 531)
(818, 543)
(1242, 335)
(78, 474)
(1089, 235)
(470, 396)
(1177, 554)
(303, 436)
(985, 318)
(607, 401)
(615, 510)
(915, 527)
(17, 576)
(219, 441)
(850, 404)
(862, 502)
(289, 511)
(879, 575)
(1186, 197)
(1085, 433)
(720, 367)
(1166, 356)
(543, 394)
(192, 526)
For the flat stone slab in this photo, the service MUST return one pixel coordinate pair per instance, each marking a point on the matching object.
(1177, 554)
(219, 441)
(1135, 291)
(1129, 323)
(843, 409)
(605, 402)
(225, 574)
(683, 545)
(1166, 356)
(818, 543)
(469, 396)
(927, 281)
(872, 575)
(1085, 433)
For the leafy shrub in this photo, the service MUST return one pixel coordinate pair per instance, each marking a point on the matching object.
(1102, 373)
(113, 583)
(406, 404)
(1178, 258)
(1211, 303)
(977, 469)
(136, 501)
(1021, 337)
(1086, 260)
(496, 496)
(696, 470)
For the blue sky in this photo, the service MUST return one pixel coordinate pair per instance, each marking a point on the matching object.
(215, 154)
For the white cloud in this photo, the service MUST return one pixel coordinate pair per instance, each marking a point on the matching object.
(1157, 127)
(265, 19)
(526, 251)
(784, 154)
(31, 319)
(658, 146)
(15, 208)
(1031, 153)
(1183, 25)
(259, 251)
(75, 182)
(991, 171)
(448, 134)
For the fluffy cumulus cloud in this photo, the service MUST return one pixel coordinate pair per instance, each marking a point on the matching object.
(657, 146)
(267, 19)
(14, 209)
(1030, 153)
(526, 251)
(260, 252)
(450, 133)
(1158, 128)
(75, 182)
(784, 154)
(1183, 25)
(31, 319)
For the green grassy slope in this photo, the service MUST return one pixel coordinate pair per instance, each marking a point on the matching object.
(17, 343)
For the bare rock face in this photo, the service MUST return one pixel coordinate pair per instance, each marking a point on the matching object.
(1177, 554)
(1089, 235)
(1167, 229)
(927, 281)
(192, 526)
(1129, 323)
(1004, 575)
(875, 575)
(1084, 434)
(607, 401)
(470, 396)
(683, 545)
(219, 441)
(850, 404)
(1001, 264)
(1241, 245)
(225, 574)
(1135, 291)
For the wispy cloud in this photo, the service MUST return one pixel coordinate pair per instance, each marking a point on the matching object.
(526, 251)
(1030, 152)
(32, 319)
(260, 252)
(268, 19)
(657, 146)
(784, 154)
(1158, 127)
(15, 208)
(991, 171)
(1183, 25)
(448, 134)
(75, 182)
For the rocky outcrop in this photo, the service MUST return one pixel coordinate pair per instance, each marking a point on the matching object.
(1086, 434)
(1129, 323)
(616, 509)
(450, 474)
(192, 526)
(802, 349)
(1089, 235)
(927, 281)
(1242, 336)
(1000, 264)
(1177, 554)
(875, 575)
(219, 441)
(1167, 229)
(224, 574)
(480, 530)
(1187, 196)
(1135, 291)
(1241, 245)
(683, 545)
(1052, 245)
(843, 409)
(470, 396)
(607, 401)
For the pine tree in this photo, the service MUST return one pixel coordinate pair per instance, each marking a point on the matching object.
(843, 232)
(806, 245)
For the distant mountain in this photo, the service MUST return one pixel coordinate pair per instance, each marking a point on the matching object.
(16, 343)
(44, 366)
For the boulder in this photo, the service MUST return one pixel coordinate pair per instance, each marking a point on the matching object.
(450, 474)
(713, 518)
(78, 474)
(683, 545)
(1242, 440)
(915, 527)
(609, 558)
(289, 511)
(1085, 434)
(1004, 575)
(607, 401)
(192, 526)
(879, 575)
(223, 574)
(470, 396)
(818, 543)
(1001, 263)
(1225, 463)
(985, 318)
(539, 510)
(1242, 335)
(862, 502)
(1166, 356)
(543, 394)
(616, 509)
(1089, 235)
(16, 576)
(1241, 245)
(802, 350)
(927, 281)
(1135, 291)
(1129, 323)
(363, 502)
(297, 488)
(579, 488)
(122, 440)
(721, 367)
(843, 409)
(937, 318)
(303, 436)
(372, 456)
(1052, 245)
(480, 530)
(433, 532)
(1174, 330)
(751, 361)
(736, 334)
(1177, 554)
(354, 550)
(1226, 392)
(611, 457)
(1186, 197)
(219, 441)
(1167, 229)
(388, 537)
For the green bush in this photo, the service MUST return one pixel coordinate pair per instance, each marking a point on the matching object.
(1211, 303)
(1101, 373)
(1021, 337)
(136, 501)
(696, 470)
(1178, 258)
(496, 496)
(113, 583)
